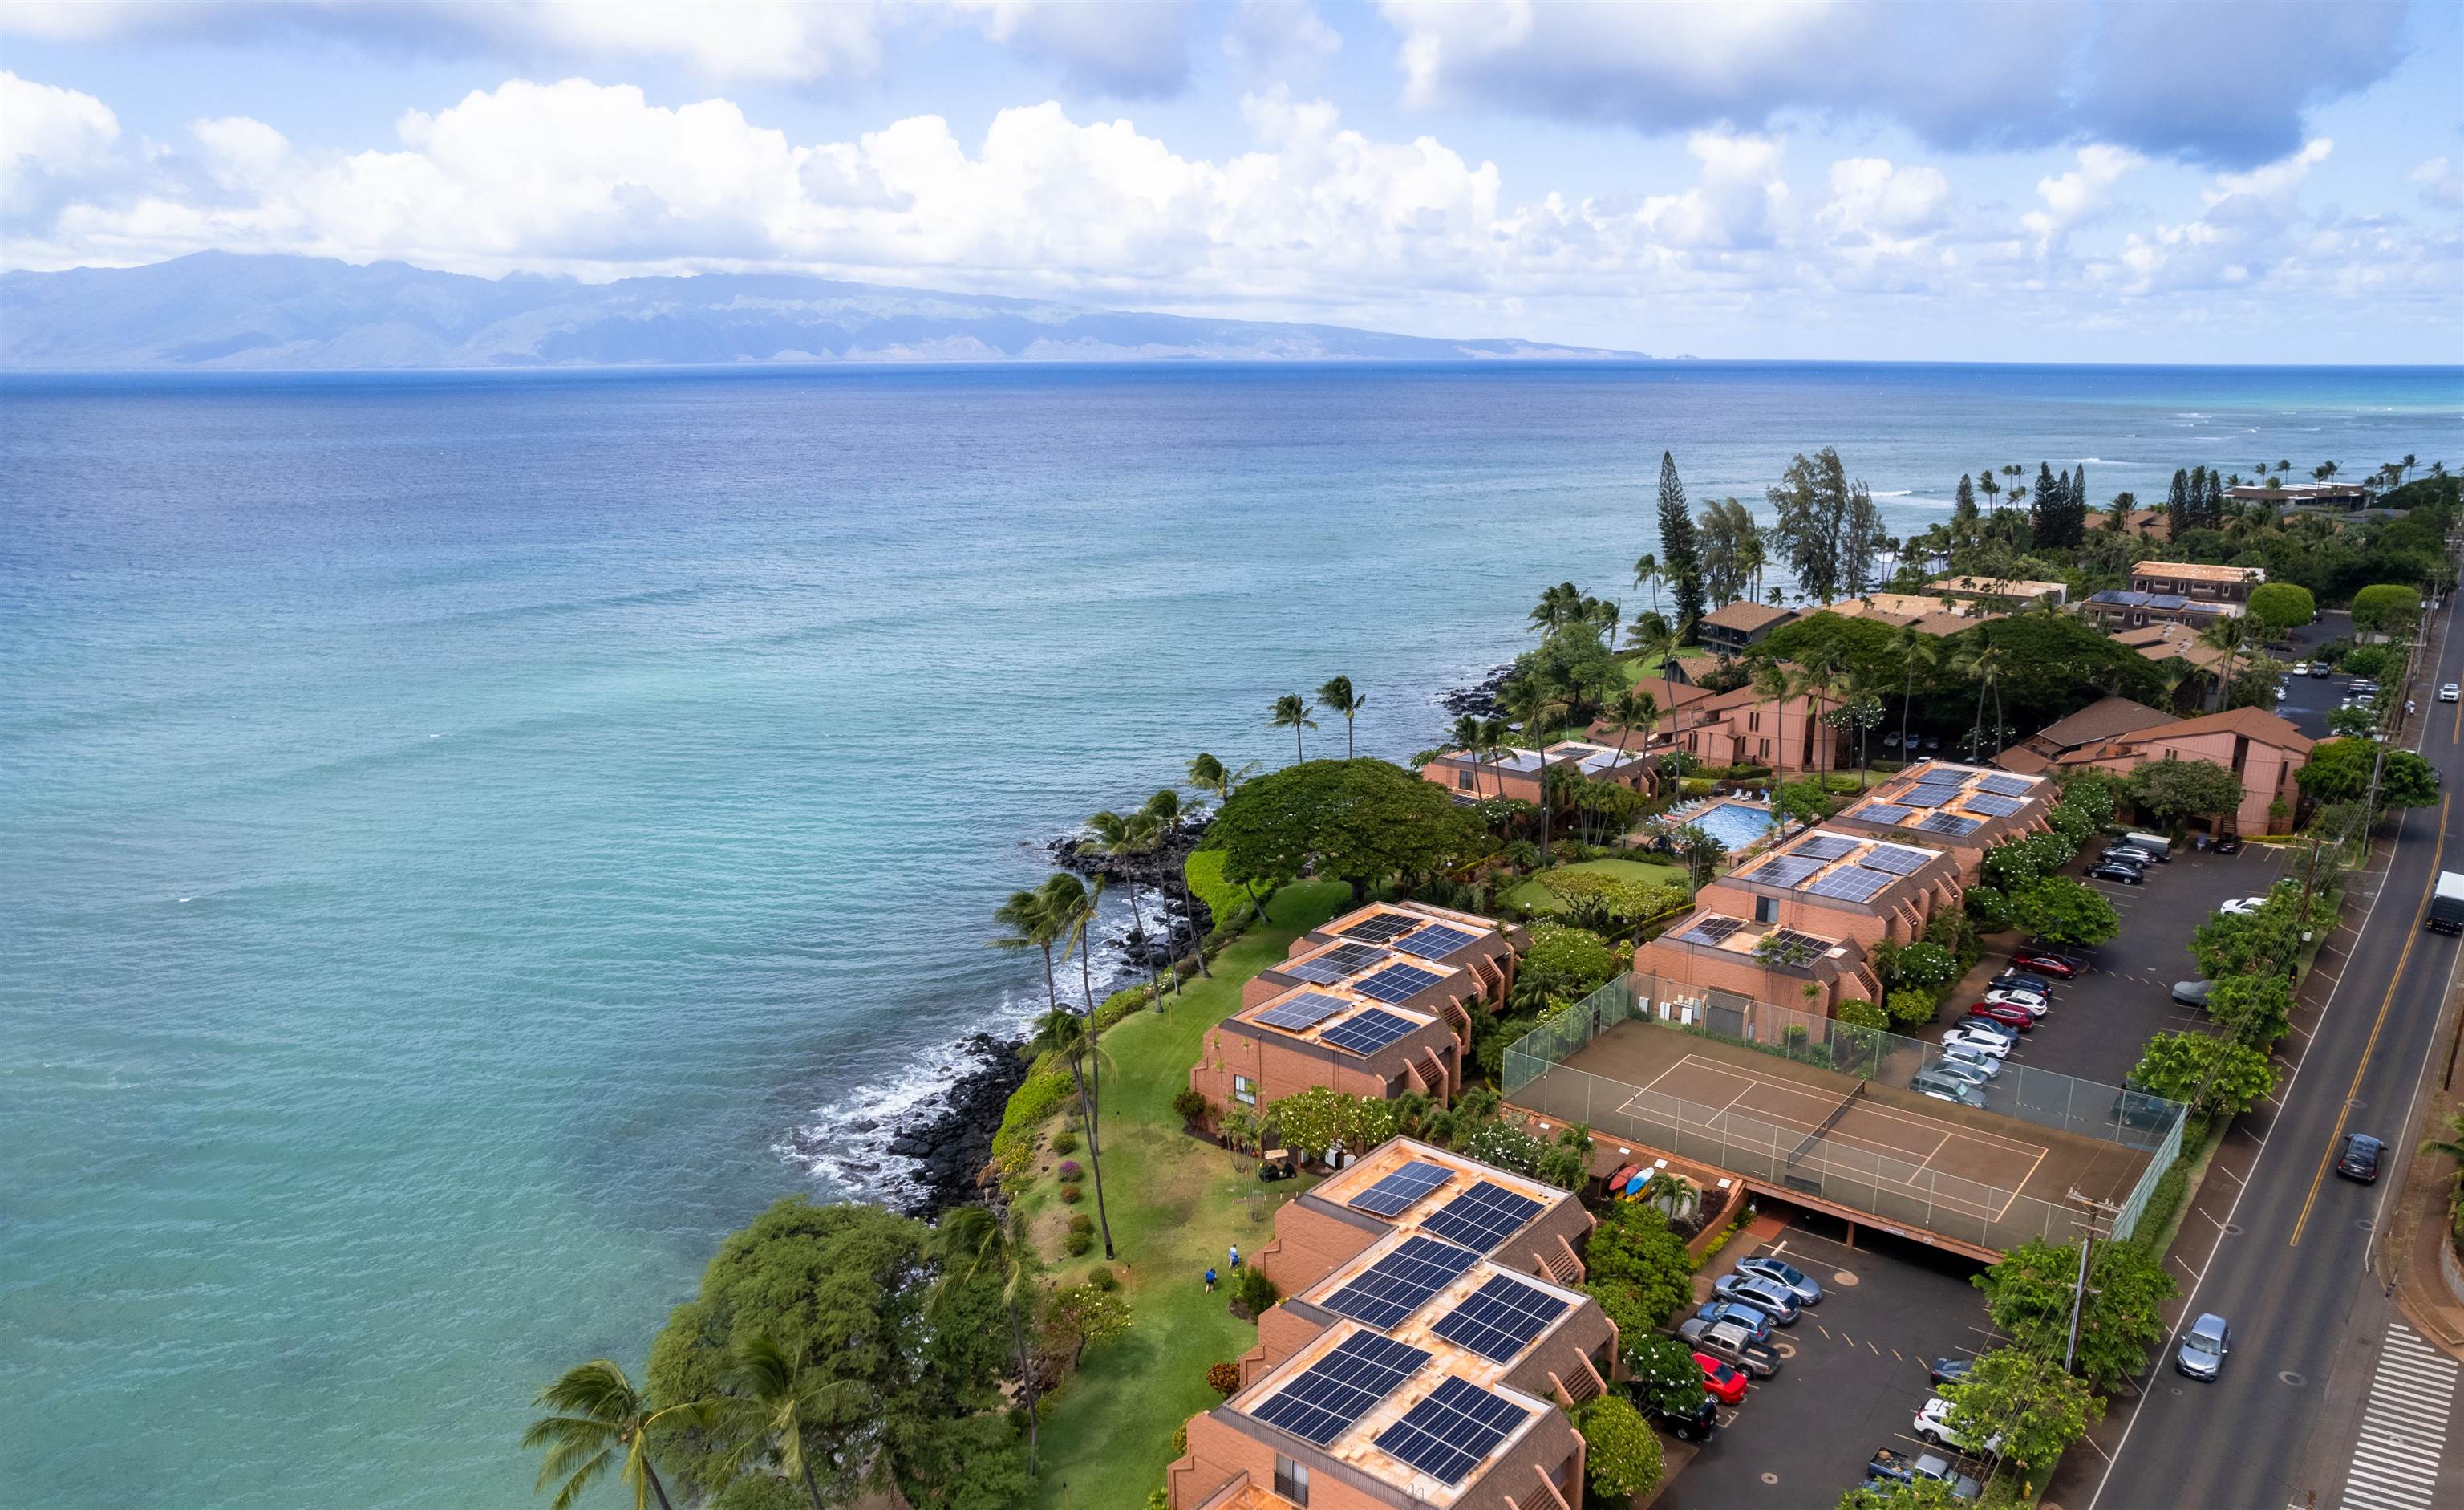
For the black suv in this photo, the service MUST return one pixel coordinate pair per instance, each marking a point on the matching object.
(2360, 1158)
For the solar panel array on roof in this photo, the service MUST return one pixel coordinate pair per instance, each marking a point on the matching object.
(1338, 964)
(1949, 823)
(1395, 1195)
(1794, 947)
(1896, 861)
(1825, 846)
(1341, 1387)
(1501, 1318)
(1851, 883)
(1396, 981)
(2007, 785)
(1303, 1011)
(1482, 1216)
(1710, 930)
(1437, 941)
(1926, 794)
(2168, 600)
(1885, 813)
(1383, 928)
(1784, 870)
(1447, 1434)
(1401, 1283)
(1998, 806)
(1367, 1033)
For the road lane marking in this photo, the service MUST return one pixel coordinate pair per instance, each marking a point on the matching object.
(2344, 1113)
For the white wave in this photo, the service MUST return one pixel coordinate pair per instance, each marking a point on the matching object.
(1891, 492)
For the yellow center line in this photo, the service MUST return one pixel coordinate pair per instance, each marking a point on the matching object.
(2355, 1089)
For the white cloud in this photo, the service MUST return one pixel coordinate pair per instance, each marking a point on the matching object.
(1265, 36)
(1871, 197)
(2442, 184)
(51, 139)
(2078, 197)
(1740, 203)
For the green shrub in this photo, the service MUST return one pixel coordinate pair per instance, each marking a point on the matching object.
(1064, 1142)
(1042, 1093)
(1252, 1287)
(1911, 1008)
(1862, 1013)
(1073, 1193)
(1621, 1456)
(1081, 1222)
(1226, 900)
(1223, 1378)
(1078, 1243)
(1119, 1005)
(1103, 1278)
(1191, 1105)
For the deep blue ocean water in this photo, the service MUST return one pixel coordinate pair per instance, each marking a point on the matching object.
(463, 837)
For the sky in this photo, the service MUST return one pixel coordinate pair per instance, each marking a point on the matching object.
(2272, 181)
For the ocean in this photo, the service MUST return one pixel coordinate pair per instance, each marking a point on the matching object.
(468, 841)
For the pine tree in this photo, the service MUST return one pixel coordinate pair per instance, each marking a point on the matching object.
(2178, 506)
(2048, 518)
(2213, 507)
(2078, 498)
(1680, 556)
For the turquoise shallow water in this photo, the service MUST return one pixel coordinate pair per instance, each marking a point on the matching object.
(459, 833)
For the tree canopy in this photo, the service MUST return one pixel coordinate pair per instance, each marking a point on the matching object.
(2213, 1076)
(2025, 1400)
(2387, 609)
(2064, 911)
(2339, 770)
(1359, 821)
(2175, 789)
(2283, 606)
(1636, 1268)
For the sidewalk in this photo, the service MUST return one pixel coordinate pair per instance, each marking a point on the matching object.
(2417, 1209)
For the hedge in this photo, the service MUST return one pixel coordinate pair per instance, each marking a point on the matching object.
(1041, 1093)
(1204, 871)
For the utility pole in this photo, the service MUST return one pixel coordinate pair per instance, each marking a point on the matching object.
(2110, 1212)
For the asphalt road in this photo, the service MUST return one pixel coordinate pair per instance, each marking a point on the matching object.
(2288, 1269)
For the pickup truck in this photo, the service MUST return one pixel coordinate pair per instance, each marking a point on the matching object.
(1728, 1343)
(1894, 1466)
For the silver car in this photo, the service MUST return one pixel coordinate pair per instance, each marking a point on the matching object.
(1766, 1295)
(2202, 1354)
(1799, 1284)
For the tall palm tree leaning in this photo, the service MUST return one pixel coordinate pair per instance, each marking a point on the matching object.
(598, 1414)
(1538, 708)
(1646, 574)
(1633, 712)
(773, 1397)
(1165, 807)
(1064, 1034)
(1293, 714)
(1984, 662)
(1206, 773)
(1337, 696)
(2229, 633)
(975, 1243)
(1031, 926)
(1123, 840)
(1465, 736)
(1915, 648)
(1774, 684)
(1073, 904)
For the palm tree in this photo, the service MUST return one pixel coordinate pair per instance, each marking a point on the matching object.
(1293, 714)
(1822, 668)
(1494, 737)
(1208, 774)
(1982, 661)
(1031, 926)
(2171, 675)
(1124, 840)
(1538, 708)
(1915, 649)
(974, 1244)
(1073, 905)
(773, 1397)
(2015, 472)
(2325, 472)
(599, 1414)
(1774, 684)
(1986, 485)
(1166, 810)
(1064, 1034)
(1646, 572)
(1337, 696)
(2229, 635)
(1465, 736)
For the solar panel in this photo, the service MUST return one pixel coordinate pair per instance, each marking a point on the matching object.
(1501, 1318)
(1339, 964)
(1791, 947)
(1401, 1283)
(2007, 785)
(1925, 795)
(1482, 1216)
(1396, 981)
(1384, 928)
(1437, 941)
(1395, 1195)
(1888, 813)
(1341, 1387)
(1303, 1011)
(1986, 802)
(1949, 823)
(1851, 883)
(1367, 1033)
(1784, 870)
(1710, 930)
(1896, 861)
(1825, 847)
(1447, 1434)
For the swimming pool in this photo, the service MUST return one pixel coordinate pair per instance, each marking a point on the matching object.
(1736, 825)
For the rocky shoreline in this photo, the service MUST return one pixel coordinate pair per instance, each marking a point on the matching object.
(1479, 698)
(952, 1146)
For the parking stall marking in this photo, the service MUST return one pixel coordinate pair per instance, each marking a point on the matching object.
(2403, 1435)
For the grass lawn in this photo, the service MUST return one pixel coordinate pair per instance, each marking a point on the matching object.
(1175, 1203)
(1531, 894)
(1638, 667)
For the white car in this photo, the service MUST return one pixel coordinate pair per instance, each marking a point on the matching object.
(1933, 1425)
(2007, 997)
(2448, 693)
(2299, 668)
(1984, 1065)
(1975, 1040)
(2242, 906)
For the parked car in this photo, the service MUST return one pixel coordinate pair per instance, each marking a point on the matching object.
(1949, 1067)
(1728, 1343)
(2018, 1017)
(2117, 872)
(2319, 668)
(1764, 1295)
(1985, 1063)
(1932, 744)
(1890, 1465)
(1933, 1425)
(2362, 687)
(1948, 1371)
(2229, 844)
(2036, 1006)
(1726, 1385)
(1891, 740)
(1948, 1088)
(2360, 1159)
(2448, 693)
(2128, 854)
(1756, 1323)
(1973, 1037)
(2192, 993)
(1694, 1425)
(2021, 979)
(1798, 1282)
(2241, 906)
(2299, 668)
(2202, 1349)
(2047, 962)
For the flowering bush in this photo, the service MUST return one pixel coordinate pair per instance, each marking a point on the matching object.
(1072, 1193)
(1071, 1173)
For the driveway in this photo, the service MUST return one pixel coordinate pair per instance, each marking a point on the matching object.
(1854, 1375)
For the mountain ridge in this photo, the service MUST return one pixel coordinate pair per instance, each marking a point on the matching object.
(220, 311)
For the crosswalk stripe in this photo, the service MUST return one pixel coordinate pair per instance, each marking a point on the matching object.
(2424, 1410)
(2389, 1494)
(2391, 1479)
(2407, 1373)
(2413, 1369)
(2402, 1433)
(2389, 1458)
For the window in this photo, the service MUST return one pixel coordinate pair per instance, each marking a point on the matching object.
(1766, 750)
(1291, 1481)
(1754, 723)
(1466, 778)
(1765, 909)
(1245, 1090)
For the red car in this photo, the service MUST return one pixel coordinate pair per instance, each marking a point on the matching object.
(2019, 1017)
(1726, 1385)
(2053, 965)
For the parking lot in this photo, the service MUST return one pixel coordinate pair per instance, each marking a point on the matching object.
(1854, 1374)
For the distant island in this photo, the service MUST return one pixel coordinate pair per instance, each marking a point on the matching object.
(225, 311)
